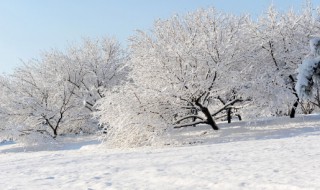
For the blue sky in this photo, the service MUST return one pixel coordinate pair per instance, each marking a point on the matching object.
(29, 27)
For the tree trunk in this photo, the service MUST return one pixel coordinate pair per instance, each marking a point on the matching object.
(207, 113)
(229, 115)
(55, 133)
(295, 105)
(210, 120)
(239, 117)
(293, 109)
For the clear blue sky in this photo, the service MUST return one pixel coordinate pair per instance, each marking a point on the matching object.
(28, 27)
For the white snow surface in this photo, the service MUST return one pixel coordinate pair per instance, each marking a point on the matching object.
(277, 153)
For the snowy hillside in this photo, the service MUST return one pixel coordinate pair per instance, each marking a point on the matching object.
(266, 154)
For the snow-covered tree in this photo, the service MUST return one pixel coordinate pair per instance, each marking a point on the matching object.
(180, 71)
(56, 94)
(94, 66)
(307, 86)
(279, 43)
(35, 100)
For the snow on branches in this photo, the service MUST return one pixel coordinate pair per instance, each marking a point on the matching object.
(203, 67)
(309, 72)
(46, 96)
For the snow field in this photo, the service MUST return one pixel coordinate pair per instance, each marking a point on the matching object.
(250, 162)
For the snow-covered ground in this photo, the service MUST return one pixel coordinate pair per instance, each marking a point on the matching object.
(266, 154)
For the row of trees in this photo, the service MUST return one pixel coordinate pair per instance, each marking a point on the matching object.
(188, 70)
(56, 94)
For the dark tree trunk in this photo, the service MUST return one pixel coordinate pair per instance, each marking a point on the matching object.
(55, 132)
(295, 105)
(239, 117)
(210, 120)
(293, 109)
(207, 113)
(229, 115)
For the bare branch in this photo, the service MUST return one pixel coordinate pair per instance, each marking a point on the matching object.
(189, 124)
(187, 117)
(227, 106)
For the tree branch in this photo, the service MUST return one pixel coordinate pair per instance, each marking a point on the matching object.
(187, 117)
(189, 124)
(226, 106)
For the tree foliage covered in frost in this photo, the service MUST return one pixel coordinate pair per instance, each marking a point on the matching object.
(278, 41)
(127, 124)
(56, 94)
(180, 71)
(188, 70)
(33, 99)
(307, 86)
(95, 66)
